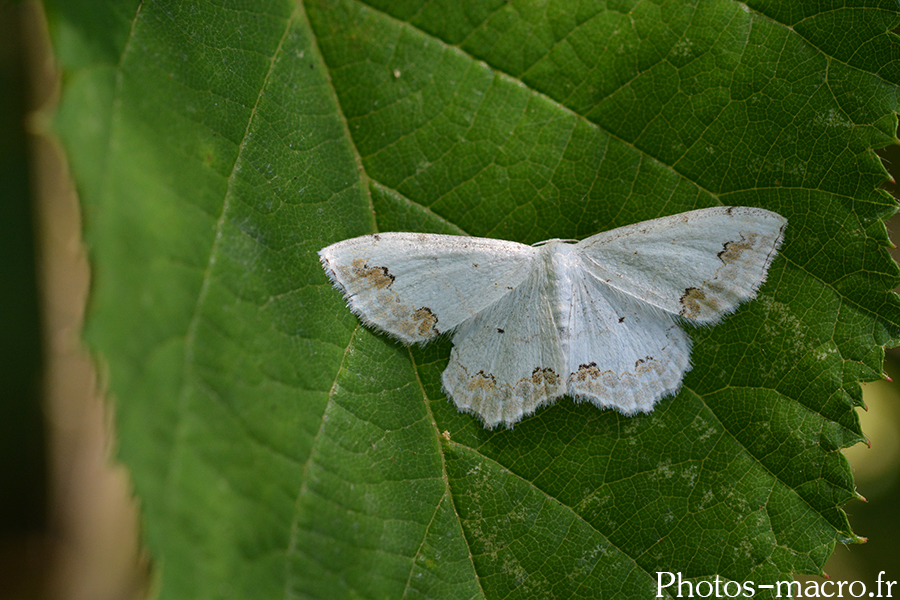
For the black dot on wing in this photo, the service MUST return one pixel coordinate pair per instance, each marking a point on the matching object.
(621, 319)
(500, 330)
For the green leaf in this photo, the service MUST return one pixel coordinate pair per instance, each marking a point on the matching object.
(279, 448)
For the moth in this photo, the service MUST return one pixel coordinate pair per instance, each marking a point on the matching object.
(599, 320)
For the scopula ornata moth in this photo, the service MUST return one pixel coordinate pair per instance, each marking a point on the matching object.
(598, 320)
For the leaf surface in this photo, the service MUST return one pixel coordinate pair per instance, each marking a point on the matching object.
(281, 449)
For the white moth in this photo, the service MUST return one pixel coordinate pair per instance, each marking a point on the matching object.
(599, 320)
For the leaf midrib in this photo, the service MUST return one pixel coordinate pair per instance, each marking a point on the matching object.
(575, 514)
(189, 374)
(448, 492)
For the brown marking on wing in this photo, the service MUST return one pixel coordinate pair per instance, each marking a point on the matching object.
(585, 372)
(546, 375)
(731, 251)
(481, 382)
(426, 321)
(379, 277)
(691, 302)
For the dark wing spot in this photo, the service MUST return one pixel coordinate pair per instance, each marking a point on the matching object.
(500, 330)
(621, 319)
(691, 303)
(486, 378)
(481, 381)
(731, 251)
(545, 375)
(426, 320)
(588, 371)
(379, 277)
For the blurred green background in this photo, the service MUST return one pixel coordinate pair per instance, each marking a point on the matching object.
(68, 524)
(23, 470)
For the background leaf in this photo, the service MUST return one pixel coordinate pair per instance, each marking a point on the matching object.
(279, 448)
